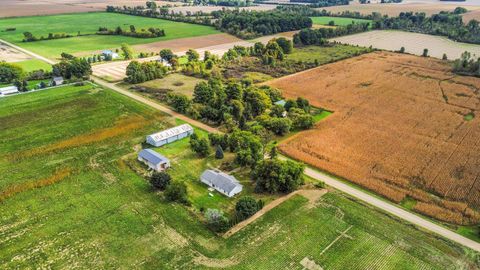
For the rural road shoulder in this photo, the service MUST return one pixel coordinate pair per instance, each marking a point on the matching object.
(361, 195)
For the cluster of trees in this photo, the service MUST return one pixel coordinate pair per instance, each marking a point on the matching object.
(467, 65)
(199, 145)
(447, 24)
(173, 191)
(247, 146)
(278, 176)
(320, 36)
(10, 72)
(149, 33)
(226, 3)
(142, 72)
(75, 68)
(250, 24)
(29, 37)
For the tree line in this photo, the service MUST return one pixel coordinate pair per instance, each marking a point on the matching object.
(319, 36)
(251, 24)
(149, 33)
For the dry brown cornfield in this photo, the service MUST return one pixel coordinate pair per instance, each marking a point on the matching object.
(398, 128)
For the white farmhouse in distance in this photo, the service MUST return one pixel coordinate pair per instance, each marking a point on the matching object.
(5, 91)
(170, 135)
(222, 182)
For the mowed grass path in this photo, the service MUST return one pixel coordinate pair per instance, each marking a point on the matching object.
(102, 215)
(88, 23)
(324, 20)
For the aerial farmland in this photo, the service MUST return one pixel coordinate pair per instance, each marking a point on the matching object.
(239, 135)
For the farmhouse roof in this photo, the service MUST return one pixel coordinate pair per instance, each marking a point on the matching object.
(152, 156)
(222, 180)
(165, 134)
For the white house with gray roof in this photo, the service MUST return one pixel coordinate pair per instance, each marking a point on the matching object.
(170, 135)
(154, 160)
(222, 182)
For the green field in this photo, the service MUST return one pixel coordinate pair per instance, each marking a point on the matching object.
(70, 198)
(339, 21)
(34, 64)
(324, 55)
(175, 82)
(88, 23)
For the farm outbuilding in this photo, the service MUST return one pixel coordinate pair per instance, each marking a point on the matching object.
(5, 91)
(57, 81)
(222, 182)
(170, 135)
(154, 160)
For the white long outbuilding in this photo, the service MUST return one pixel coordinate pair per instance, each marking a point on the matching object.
(8, 90)
(170, 135)
(224, 183)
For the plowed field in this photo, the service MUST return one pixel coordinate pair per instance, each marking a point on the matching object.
(399, 129)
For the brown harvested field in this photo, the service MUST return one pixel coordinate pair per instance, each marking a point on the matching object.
(12, 8)
(395, 9)
(398, 129)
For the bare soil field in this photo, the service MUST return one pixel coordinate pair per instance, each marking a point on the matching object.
(395, 9)
(13, 8)
(9, 54)
(414, 43)
(194, 9)
(398, 129)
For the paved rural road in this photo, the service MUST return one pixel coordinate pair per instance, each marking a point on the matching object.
(154, 105)
(361, 195)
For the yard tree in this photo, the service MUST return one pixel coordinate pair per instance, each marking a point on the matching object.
(237, 109)
(303, 104)
(127, 51)
(285, 44)
(277, 176)
(176, 192)
(160, 180)
(219, 152)
(246, 207)
(132, 28)
(151, 5)
(192, 55)
(234, 90)
(216, 220)
(199, 145)
(10, 72)
(167, 55)
(181, 103)
(300, 119)
(203, 93)
(278, 125)
(277, 111)
(425, 52)
(256, 101)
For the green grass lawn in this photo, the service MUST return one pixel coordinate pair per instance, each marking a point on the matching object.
(324, 54)
(324, 20)
(175, 82)
(69, 198)
(34, 64)
(88, 23)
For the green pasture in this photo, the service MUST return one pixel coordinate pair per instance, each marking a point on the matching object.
(104, 214)
(34, 64)
(88, 23)
(338, 21)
